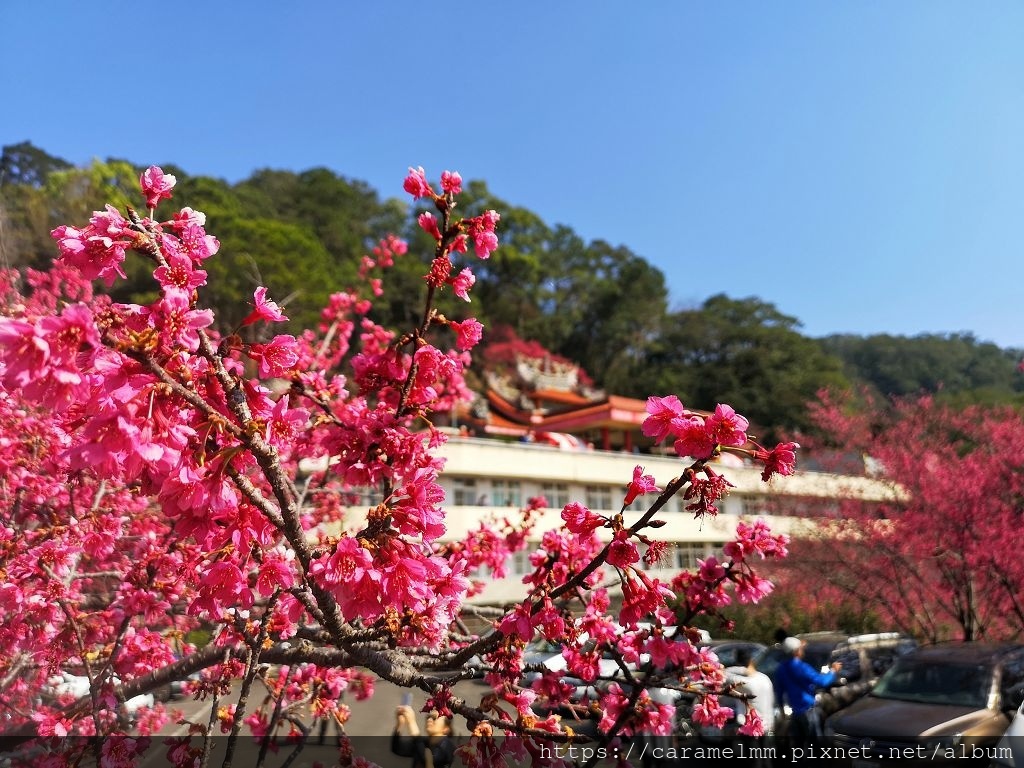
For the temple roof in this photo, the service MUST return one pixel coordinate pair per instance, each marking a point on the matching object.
(538, 396)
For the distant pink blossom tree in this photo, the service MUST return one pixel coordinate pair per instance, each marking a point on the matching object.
(935, 559)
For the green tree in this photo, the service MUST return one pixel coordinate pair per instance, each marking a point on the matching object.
(214, 197)
(957, 365)
(26, 217)
(509, 284)
(47, 192)
(576, 299)
(288, 259)
(615, 303)
(28, 166)
(346, 216)
(747, 353)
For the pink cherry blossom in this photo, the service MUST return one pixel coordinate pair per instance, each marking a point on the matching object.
(580, 520)
(710, 712)
(199, 245)
(692, 437)
(752, 589)
(780, 460)
(428, 223)
(155, 481)
(416, 183)
(98, 251)
(156, 185)
(440, 270)
(753, 726)
(284, 424)
(710, 569)
(265, 309)
(277, 571)
(656, 552)
(451, 182)
(175, 320)
(277, 358)
(622, 552)
(481, 229)
(461, 283)
(467, 333)
(180, 273)
(707, 491)
(24, 351)
(52, 725)
(519, 623)
(661, 411)
(640, 485)
(727, 427)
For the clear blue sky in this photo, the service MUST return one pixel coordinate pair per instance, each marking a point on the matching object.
(858, 164)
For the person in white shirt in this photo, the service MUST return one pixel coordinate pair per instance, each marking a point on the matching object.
(758, 687)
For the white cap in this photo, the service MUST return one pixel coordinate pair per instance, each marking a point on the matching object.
(791, 645)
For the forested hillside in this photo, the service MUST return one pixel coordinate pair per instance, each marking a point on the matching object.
(303, 235)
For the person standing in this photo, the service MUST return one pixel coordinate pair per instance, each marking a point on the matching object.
(435, 749)
(758, 686)
(796, 682)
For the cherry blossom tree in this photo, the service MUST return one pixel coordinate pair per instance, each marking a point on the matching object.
(938, 559)
(280, 491)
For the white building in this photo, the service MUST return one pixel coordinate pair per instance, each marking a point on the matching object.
(484, 478)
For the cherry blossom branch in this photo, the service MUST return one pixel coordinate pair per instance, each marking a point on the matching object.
(254, 650)
(185, 394)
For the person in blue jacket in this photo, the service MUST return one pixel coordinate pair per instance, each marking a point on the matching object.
(796, 682)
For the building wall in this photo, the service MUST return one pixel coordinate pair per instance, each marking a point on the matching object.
(486, 478)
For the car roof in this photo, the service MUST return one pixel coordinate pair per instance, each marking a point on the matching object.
(835, 637)
(725, 641)
(965, 651)
(823, 635)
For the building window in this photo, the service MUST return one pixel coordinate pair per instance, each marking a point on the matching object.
(642, 503)
(521, 563)
(687, 553)
(507, 493)
(673, 504)
(682, 556)
(464, 492)
(599, 497)
(755, 505)
(480, 573)
(557, 494)
(363, 496)
(660, 565)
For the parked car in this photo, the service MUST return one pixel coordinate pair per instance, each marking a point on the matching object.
(177, 689)
(726, 650)
(951, 701)
(65, 685)
(542, 652)
(1009, 752)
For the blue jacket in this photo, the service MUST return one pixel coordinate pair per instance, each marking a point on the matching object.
(796, 681)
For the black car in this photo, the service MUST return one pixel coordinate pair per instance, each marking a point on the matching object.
(943, 703)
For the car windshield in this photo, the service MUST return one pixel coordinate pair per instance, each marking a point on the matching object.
(958, 684)
(768, 660)
(818, 656)
(727, 652)
(542, 646)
